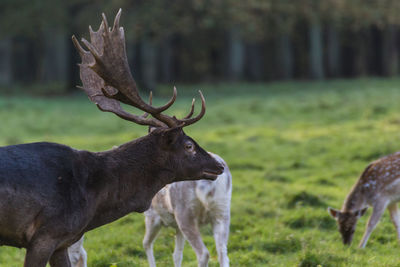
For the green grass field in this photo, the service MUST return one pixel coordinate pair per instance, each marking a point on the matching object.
(293, 148)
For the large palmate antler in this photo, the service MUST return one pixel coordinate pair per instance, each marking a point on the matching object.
(107, 79)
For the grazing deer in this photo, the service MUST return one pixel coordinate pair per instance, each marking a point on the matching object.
(187, 205)
(379, 187)
(52, 194)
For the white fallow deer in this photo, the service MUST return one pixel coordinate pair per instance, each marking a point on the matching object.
(379, 187)
(187, 205)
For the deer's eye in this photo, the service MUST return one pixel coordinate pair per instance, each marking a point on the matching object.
(189, 146)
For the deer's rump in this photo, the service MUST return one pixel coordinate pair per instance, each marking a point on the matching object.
(37, 186)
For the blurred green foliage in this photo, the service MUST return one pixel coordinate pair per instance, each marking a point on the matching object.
(161, 18)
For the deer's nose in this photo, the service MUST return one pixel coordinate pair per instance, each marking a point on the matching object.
(220, 168)
(347, 241)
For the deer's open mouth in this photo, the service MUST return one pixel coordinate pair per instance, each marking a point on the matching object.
(210, 175)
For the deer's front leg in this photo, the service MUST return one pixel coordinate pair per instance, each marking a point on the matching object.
(60, 258)
(394, 215)
(221, 235)
(188, 225)
(153, 226)
(39, 252)
(179, 245)
(377, 212)
(83, 259)
(37, 257)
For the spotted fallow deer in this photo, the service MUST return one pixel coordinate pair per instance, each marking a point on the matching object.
(52, 194)
(379, 187)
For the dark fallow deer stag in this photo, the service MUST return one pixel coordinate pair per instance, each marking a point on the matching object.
(52, 194)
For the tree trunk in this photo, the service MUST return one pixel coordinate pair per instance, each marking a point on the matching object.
(234, 56)
(361, 42)
(333, 52)
(284, 57)
(166, 58)
(148, 60)
(390, 55)
(316, 50)
(72, 55)
(54, 61)
(254, 62)
(23, 52)
(5, 61)
(133, 54)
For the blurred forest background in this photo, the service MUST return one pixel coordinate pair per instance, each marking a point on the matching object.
(203, 40)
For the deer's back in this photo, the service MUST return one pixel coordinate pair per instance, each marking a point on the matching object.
(381, 178)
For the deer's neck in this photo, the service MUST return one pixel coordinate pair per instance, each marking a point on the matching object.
(355, 200)
(130, 176)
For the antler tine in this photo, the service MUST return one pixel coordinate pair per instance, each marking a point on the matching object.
(191, 110)
(78, 46)
(116, 20)
(92, 50)
(106, 28)
(188, 121)
(170, 102)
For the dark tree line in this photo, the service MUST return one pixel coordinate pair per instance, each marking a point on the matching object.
(205, 40)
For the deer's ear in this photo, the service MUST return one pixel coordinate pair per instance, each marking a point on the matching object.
(170, 136)
(361, 212)
(334, 213)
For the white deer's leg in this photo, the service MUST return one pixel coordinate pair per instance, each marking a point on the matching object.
(188, 225)
(394, 214)
(79, 259)
(179, 245)
(83, 259)
(153, 226)
(77, 254)
(372, 222)
(194, 238)
(221, 235)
